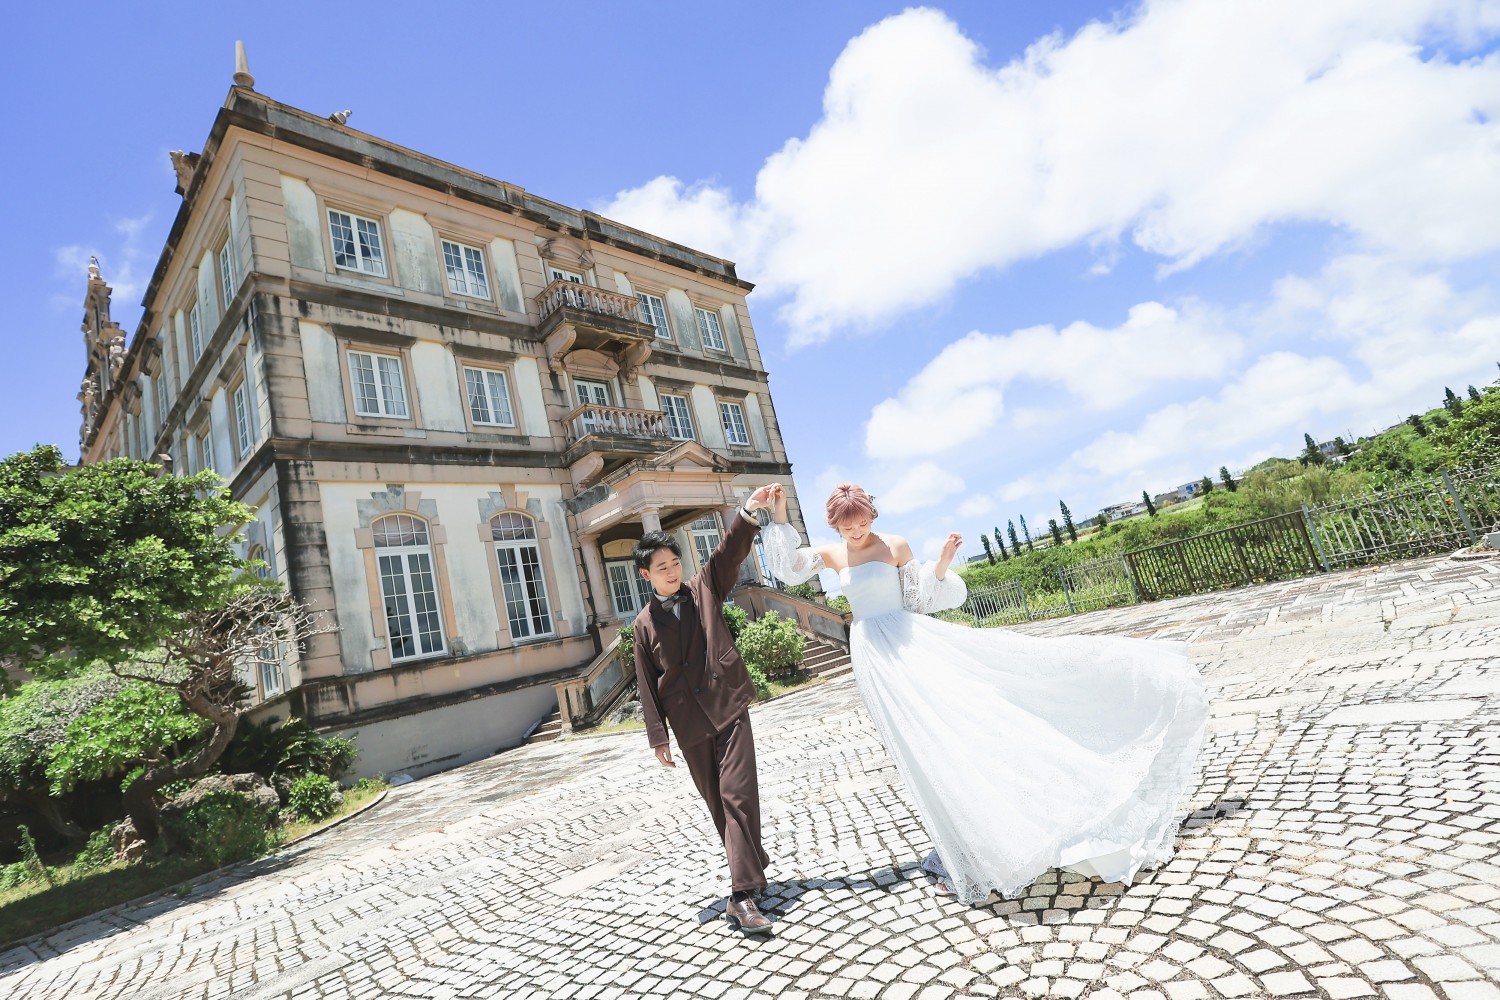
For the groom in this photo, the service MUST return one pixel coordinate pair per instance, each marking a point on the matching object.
(690, 674)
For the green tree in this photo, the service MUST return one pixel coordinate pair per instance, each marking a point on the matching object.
(989, 553)
(1100, 521)
(1472, 437)
(1451, 402)
(1015, 541)
(1341, 447)
(114, 563)
(1474, 394)
(1000, 541)
(1150, 507)
(1417, 425)
(1227, 479)
(1068, 521)
(1206, 486)
(1311, 454)
(1026, 532)
(1056, 531)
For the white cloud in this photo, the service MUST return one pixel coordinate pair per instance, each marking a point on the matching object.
(919, 486)
(1185, 127)
(958, 396)
(120, 261)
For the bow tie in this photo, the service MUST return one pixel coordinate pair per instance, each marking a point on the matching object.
(668, 603)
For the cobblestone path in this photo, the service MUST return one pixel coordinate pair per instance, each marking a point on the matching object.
(1345, 842)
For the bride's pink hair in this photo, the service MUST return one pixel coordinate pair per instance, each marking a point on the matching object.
(849, 503)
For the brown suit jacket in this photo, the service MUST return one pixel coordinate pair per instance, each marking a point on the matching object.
(689, 672)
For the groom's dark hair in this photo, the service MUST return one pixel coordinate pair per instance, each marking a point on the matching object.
(650, 543)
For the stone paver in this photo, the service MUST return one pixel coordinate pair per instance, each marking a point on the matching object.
(1344, 842)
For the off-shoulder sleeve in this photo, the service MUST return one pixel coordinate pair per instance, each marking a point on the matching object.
(924, 593)
(789, 564)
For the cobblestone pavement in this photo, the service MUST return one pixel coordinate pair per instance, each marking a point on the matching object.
(1345, 842)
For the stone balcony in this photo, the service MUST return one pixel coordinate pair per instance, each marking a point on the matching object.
(602, 438)
(576, 317)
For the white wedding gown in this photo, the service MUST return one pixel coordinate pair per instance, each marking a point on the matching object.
(1021, 754)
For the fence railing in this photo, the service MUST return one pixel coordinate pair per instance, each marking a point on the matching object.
(1082, 586)
(1274, 548)
(1434, 514)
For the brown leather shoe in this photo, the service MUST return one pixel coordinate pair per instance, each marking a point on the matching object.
(744, 916)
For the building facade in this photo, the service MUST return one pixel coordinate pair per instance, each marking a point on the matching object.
(453, 406)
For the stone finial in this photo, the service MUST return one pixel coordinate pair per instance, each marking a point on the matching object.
(242, 77)
(94, 268)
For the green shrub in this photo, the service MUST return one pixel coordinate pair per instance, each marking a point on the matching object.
(806, 591)
(112, 739)
(15, 874)
(736, 618)
(762, 686)
(292, 749)
(839, 603)
(771, 645)
(625, 651)
(224, 827)
(99, 852)
(312, 797)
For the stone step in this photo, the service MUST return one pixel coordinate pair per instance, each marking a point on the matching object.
(550, 729)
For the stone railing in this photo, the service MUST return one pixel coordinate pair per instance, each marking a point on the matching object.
(649, 425)
(562, 294)
(582, 700)
(814, 619)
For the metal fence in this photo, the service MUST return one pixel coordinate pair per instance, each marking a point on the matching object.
(1274, 548)
(1083, 586)
(1435, 514)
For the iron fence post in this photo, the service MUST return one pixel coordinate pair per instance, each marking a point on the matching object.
(1312, 532)
(1463, 514)
(1062, 578)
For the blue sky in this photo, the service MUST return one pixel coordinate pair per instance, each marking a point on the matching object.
(1007, 252)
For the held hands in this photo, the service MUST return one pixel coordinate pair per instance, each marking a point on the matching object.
(664, 754)
(770, 497)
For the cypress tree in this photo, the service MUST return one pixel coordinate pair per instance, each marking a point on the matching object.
(1068, 521)
(1027, 532)
(1056, 531)
(1015, 542)
(1000, 541)
(1207, 484)
(1229, 483)
(989, 553)
(1150, 507)
(1474, 394)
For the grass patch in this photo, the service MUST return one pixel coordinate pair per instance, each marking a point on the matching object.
(35, 907)
(796, 681)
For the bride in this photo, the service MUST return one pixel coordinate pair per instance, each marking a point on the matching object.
(1021, 754)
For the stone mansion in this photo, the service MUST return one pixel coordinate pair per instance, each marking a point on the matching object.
(453, 406)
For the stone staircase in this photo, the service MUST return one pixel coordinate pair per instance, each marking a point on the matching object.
(824, 659)
(549, 730)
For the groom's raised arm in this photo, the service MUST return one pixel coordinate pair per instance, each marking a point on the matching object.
(724, 565)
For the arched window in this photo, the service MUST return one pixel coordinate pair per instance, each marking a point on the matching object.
(404, 556)
(521, 577)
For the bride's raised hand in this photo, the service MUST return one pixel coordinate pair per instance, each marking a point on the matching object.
(950, 549)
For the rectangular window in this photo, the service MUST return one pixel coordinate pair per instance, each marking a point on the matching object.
(242, 435)
(270, 675)
(465, 267)
(733, 416)
(226, 270)
(489, 397)
(654, 312)
(160, 388)
(525, 590)
(356, 243)
(709, 329)
(627, 590)
(206, 449)
(195, 331)
(379, 390)
(411, 608)
(679, 418)
(706, 536)
(562, 274)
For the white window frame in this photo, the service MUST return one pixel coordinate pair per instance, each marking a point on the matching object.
(244, 436)
(528, 608)
(627, 584)
(708, 322)
(159, 389)
(195, 331)
(368, 258)
(485, 381)
(227, 277)
(206, 448)
(389, 387)
(654, 313)
(557, 273)
(468, 281)
(423, 620)
(736, 431)
(680, 424)
(706, 534)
